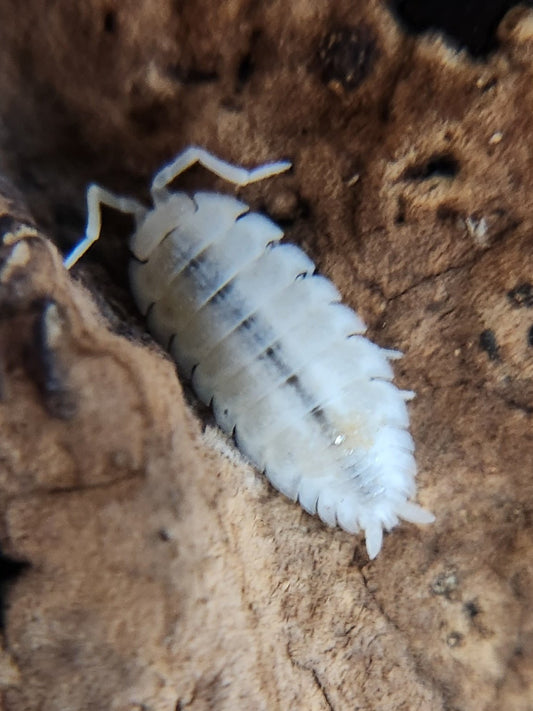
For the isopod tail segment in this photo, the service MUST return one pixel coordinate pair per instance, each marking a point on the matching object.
(98, 196)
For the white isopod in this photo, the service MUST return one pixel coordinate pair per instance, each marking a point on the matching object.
(268, 344)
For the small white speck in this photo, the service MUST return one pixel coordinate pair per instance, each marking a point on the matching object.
(478, 229)
(19, 257)
(353, 180)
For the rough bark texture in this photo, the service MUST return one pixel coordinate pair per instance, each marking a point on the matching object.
(163, 572)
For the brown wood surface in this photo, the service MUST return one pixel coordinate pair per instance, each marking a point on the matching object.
(163, 572)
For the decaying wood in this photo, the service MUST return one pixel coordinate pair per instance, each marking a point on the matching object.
(158, 570)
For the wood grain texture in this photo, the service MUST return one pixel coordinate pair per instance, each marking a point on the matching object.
(164, 573)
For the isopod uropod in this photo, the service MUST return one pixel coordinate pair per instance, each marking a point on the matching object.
(266, 342)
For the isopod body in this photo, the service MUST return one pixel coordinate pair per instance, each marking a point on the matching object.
(267, 343)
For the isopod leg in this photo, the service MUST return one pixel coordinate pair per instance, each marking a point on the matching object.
(96, 197)
(232, 173)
